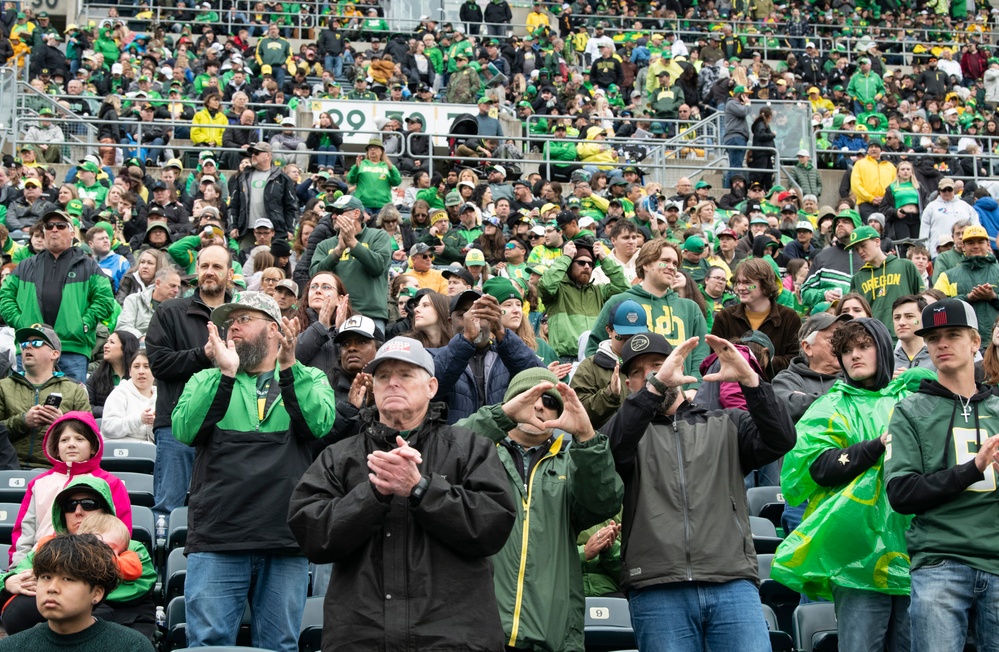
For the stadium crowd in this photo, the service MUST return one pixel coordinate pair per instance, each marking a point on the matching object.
(463, 395)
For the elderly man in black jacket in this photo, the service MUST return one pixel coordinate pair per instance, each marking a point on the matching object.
(693, 585)
(278, 202)
(409, 511)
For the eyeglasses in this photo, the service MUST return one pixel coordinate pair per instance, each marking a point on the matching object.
(242, 320)
(325, 287)
(549, 402)
(269, 281)
(390, 221)
(88, 505)
(33, 344)
(62, 226)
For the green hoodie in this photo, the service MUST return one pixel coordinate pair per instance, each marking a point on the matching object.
(671, 316)
(364, 269)
(896, 277)
(126, 591)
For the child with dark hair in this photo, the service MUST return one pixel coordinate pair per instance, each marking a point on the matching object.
(75, 573)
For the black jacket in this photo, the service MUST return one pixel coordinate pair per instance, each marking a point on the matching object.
(175, 343)
(498, 12)
(407, 577)
(704, 497)
(330, 42)
(280, 199)
(470, 12)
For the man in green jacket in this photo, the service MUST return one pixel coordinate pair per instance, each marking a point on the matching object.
(252, 420)
(865, 86)
(572, 300)
(975, 279)
(360, 256)
(542, 431)
(883, 278)
(274, 51)
(22, 397)
(64, 287)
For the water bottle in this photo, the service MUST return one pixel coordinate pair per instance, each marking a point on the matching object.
(160, 617)
(161, 530)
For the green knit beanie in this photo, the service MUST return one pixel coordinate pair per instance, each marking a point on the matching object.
(530, 378)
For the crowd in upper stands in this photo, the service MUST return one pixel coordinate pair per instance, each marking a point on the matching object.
(428, 356)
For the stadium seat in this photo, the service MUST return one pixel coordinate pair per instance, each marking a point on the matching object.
(765, 539)
(815, 627)
(775, 595)
(14, 484)
(311, 637)
(132, 456)
(175, 576)
(8, 516)
(607, 624)
(176, 613)
(139, 487)
(780, 641)
(144, 528)
(177, 528)
(766, 502)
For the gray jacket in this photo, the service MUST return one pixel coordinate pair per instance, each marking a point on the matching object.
(136, 312)
(922, 359)
(735, 119)
(799, 386)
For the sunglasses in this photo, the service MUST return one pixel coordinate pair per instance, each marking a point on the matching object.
(423, 256)
(33, 344)
(533, 236)
(62, 226)
(390, 221)
(88, 505)
(583, 263)
(549, 402)
(421, 214)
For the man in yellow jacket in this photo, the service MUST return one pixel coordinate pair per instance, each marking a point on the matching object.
(537, 18)
(870, 178)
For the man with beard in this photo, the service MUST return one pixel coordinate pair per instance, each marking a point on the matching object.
(177, 344)
(684, 464)
(241, 548)
(833, 268)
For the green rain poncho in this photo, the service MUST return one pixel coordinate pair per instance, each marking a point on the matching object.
(850, 535)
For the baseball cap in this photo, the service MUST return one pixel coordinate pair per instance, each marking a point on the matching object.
(728, 233)
(975, 232)
(758, 337)
(565, 217)
(948, 313)
(74, 207)
(89, 166)
(475, 258)
(256, 148)
(548, 207)
(803, 152)
(467, 206)
(419, 249)
(694, 244)
(285, 283)
(497, 168)
(347, 203)
(364, 326)
(789, 208)
(945, 183)
(42, 332)
(860, 234)
(501, 288)
(538, 230)
(404, 349)
(263, 223)
(759, 219)
(820, 321)
(629, 318)
(642, 344)
(804, 225)
(453, 198)
(257, 301)
(457, 270)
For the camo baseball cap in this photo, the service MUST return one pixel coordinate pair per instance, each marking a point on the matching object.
(248, 301)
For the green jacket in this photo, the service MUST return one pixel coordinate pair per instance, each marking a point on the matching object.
(87, 298)
(126, 591)
(591, 382)
(185, 250)
(374, 183)
(273, 51)
(960, 280)
(556, 150)
(928, 437)
(573, 309)
(459, 46)
(947, 260)
(571, 487)
(601, 573)
(363, 269)
(807, 178)
(671, 316)
(863, 87)
(17, 396)
(895, 278)
(436, 57)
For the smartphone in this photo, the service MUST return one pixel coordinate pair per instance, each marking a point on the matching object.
(54, 400)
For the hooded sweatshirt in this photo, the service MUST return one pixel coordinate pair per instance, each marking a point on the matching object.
(128, 590)
(895, 277)
(34, 518)
(969, 274)
(836, 465)
(675, 318)
(800, 386)
(988, 214)
(930, 471)
(591, 382)
(832, 269)
(123, 410)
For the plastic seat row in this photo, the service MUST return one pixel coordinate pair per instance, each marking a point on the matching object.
(309, 640)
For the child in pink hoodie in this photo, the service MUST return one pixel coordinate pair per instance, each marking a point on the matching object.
(74, 445)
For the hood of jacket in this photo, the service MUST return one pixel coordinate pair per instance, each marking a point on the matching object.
(86, 481)
(605, 357)
(987, 204)
(885, 355)
(85, 421)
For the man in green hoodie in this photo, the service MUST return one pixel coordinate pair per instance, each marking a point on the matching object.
(539, 565)
(669, 315)
(975, 279)
(883, 278)
(941, 453)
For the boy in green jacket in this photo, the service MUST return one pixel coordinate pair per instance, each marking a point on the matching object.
(883, 278)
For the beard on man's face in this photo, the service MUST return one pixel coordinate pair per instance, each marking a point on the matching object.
(252, 352)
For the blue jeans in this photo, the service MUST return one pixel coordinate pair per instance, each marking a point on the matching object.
(74, 365)
(172, 476)
(943, 596)
(334, 65)
(327, 160)
(876, 620)
(735, 156)
(219, 584)
(692, 617)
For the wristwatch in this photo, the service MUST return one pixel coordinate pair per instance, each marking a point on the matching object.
(420, 490)
(659, 385)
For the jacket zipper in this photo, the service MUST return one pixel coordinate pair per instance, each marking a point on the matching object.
(683, 494)
(518, 602)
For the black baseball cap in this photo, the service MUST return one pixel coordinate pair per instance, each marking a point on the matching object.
(464, 299)
(948, 313)
(641, 344)
(460, 272)
(565, 217)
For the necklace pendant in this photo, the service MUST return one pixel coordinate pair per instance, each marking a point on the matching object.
(966, 412)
